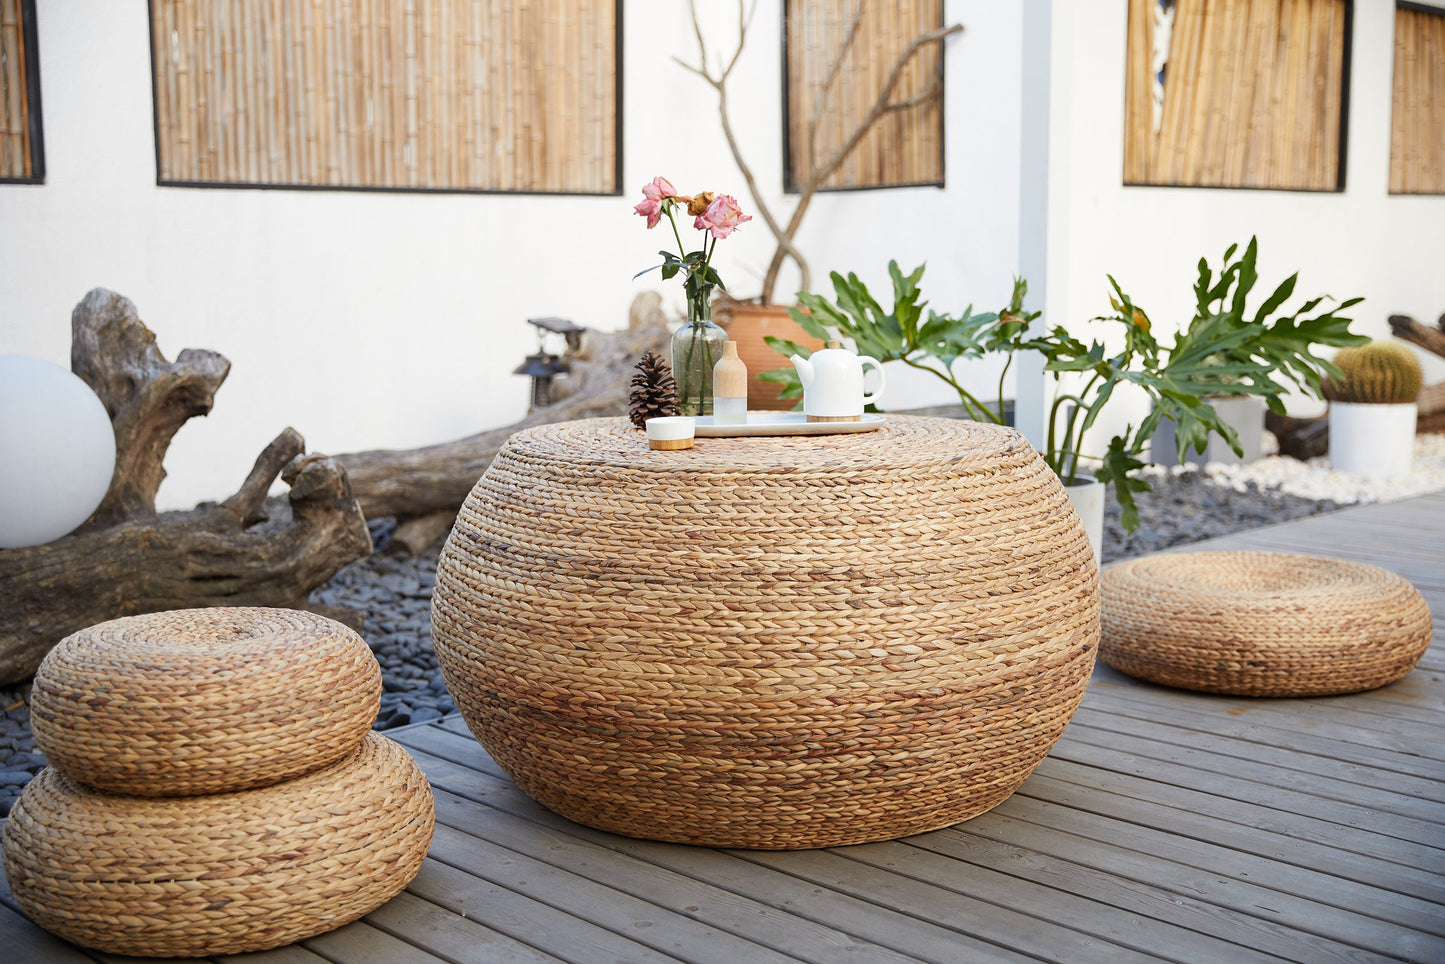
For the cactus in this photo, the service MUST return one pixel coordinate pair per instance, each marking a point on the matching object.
(1381, 373)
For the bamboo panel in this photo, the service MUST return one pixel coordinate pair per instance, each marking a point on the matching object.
(835, 76)
(1417, 111)
(1138, 94)
(1253, 93)
(442, 94)
(15, 153)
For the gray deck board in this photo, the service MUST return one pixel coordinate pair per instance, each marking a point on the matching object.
(1165, 825)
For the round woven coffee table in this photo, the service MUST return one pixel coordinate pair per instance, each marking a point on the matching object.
(768, 642)
(1261, 623)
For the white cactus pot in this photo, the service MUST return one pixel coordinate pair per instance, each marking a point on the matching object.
(1372, 441)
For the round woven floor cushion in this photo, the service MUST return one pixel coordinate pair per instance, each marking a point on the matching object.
(203, 700)
(225, 873)
(1261, 623)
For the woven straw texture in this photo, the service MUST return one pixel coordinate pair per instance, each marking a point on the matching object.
(203, 700)
(225, 873)
(1261, 623)
(767, 642)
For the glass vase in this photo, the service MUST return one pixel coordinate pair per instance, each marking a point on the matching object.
(696, 348)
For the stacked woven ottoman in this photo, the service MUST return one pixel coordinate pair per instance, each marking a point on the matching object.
(214, 787)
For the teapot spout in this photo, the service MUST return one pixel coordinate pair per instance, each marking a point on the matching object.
(805, 370)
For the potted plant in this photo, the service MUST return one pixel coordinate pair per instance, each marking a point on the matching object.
(1373, 410)
(751, 323)
(1221, 355)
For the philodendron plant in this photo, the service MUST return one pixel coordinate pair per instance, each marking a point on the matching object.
(1220, 353)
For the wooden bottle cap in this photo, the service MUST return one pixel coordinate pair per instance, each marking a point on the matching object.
(730, 374)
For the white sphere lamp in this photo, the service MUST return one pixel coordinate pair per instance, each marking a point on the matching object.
(57, 451)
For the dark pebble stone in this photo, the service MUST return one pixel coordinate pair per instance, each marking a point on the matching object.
(14, 777)
(424, 714)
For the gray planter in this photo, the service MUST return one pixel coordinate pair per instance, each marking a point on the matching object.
(1244, 414)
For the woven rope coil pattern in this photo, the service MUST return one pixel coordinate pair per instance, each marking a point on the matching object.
(1261, 623)
(203, 700)
(225, 873)
(767, 642)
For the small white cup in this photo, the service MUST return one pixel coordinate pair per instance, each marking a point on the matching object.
(669, 432)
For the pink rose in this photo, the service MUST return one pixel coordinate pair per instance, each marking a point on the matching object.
(654, 191)
(721, 217)
(650, 209)
(658, 188)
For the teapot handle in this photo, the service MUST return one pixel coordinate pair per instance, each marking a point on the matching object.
(866, 361)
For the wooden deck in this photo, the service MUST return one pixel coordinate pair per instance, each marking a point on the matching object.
(1165, 825)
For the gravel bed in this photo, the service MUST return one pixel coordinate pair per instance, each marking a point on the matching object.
(393, 592)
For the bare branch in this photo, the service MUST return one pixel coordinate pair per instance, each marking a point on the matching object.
(880, 103)
(922, 98)
(817, 174)
(785, 240)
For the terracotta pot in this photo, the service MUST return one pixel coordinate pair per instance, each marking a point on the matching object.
(748, 326)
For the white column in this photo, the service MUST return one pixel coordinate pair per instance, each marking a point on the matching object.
(1031, 404)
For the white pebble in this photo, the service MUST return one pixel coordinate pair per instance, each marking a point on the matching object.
(1316, 480)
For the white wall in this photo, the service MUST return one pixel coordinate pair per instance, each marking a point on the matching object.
(1389, 249)
(394, 320)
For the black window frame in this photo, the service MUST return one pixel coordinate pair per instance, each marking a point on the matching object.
(29, 39)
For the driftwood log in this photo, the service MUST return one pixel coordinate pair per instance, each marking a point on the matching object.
(1432, 398)
(1430, 339)
(127, 558)
(434, 481)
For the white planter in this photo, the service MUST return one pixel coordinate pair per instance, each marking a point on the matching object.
(1087, 497)
(1373, 441)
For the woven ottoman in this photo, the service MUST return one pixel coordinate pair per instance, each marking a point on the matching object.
(204, 700)
(1261, 623)
(224, 873)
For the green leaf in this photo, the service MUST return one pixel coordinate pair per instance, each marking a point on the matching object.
(1280, 296)
(1247, 277)
(786, 377)
(1118, 463)
(787, 348)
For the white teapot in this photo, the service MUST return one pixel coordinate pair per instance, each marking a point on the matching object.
(833, 383)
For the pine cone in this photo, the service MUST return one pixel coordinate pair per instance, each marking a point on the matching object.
(654, 390)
